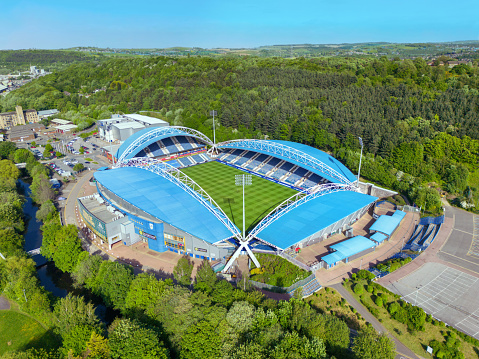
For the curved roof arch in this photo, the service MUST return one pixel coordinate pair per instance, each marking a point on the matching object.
(141, 139)
(308, 157)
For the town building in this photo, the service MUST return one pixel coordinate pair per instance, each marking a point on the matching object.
(18, 117)
(25, 132)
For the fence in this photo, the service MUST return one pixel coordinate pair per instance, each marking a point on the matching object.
(432, 220)
(295, 261)
(289, 289)
(408, 208)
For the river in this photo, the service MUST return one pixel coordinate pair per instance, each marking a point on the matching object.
(51, 278)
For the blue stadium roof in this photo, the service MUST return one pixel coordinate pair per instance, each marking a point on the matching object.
(387, 224)
(168, 132)
(318, 154)
(164, 200)
(313, 216)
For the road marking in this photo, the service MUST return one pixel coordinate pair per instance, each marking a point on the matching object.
(462, 259)
(474, 248)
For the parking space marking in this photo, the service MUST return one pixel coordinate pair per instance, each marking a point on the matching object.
(441, 293)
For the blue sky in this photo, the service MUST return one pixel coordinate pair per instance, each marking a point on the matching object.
(226, 23)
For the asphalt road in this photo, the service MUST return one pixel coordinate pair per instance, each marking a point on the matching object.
(462, 247)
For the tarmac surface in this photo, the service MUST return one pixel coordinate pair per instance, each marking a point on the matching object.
(444, 280)
(446, 293)
(4, 304)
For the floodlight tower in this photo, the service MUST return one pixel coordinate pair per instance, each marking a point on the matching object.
(243, 180)
(214, 113)
(360, 158)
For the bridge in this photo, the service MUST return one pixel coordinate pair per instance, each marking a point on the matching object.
(34, 252)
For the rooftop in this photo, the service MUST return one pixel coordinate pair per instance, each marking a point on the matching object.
(308, 150)
(60, 121)
(388, 224)
(164, 200)
(99, 209)
(348, 248)
(123, 125)
(313, 216)
(146, 119)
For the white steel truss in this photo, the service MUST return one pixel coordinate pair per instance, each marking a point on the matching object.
(288, 152)
(295, 201)
(159, 131)
(180, 179)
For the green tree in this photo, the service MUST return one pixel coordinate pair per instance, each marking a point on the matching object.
(78, 167)
(11, 243)
(371, 345)
(73, 312)
(48, 147)
(113, 282)
(8, 170)
(294, 346)
(7, 148)
(201, 341)
(81, 150)
(182, 271)
(131, 340)
(22, 155)
(46, 211)
(41, 189)
(86, 270)
(46, 153)
(144, 290)
(241, 316)
(205, 277)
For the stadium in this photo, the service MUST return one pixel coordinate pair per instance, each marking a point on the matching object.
(173, 188)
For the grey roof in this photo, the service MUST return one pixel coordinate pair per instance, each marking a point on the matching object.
(48, 112)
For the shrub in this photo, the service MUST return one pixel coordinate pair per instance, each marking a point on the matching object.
(370, 288)
(364, 274)
(358, 289)
(353, 276)
(379, 301)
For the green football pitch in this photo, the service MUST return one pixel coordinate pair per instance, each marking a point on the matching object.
(218, 180)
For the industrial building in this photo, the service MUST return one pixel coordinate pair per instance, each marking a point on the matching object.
(120, 127)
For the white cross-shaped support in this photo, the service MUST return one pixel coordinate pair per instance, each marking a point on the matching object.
(243, 244)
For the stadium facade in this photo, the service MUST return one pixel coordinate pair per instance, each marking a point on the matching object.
(146, 197)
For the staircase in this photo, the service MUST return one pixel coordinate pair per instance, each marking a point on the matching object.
(309, 288)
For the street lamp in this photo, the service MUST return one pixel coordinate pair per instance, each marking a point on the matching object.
(243, 180)
(214, 113)
(360, 158)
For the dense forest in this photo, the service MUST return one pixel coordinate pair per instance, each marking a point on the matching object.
(418, 122)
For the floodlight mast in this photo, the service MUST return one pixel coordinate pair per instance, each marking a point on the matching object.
(360, 158)
(242, 180)
(213, 113)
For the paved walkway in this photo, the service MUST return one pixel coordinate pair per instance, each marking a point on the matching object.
(4, 303)
(402, 350)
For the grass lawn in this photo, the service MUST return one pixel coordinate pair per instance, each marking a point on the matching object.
(416, 341)
(218, 180)
(19, 332)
